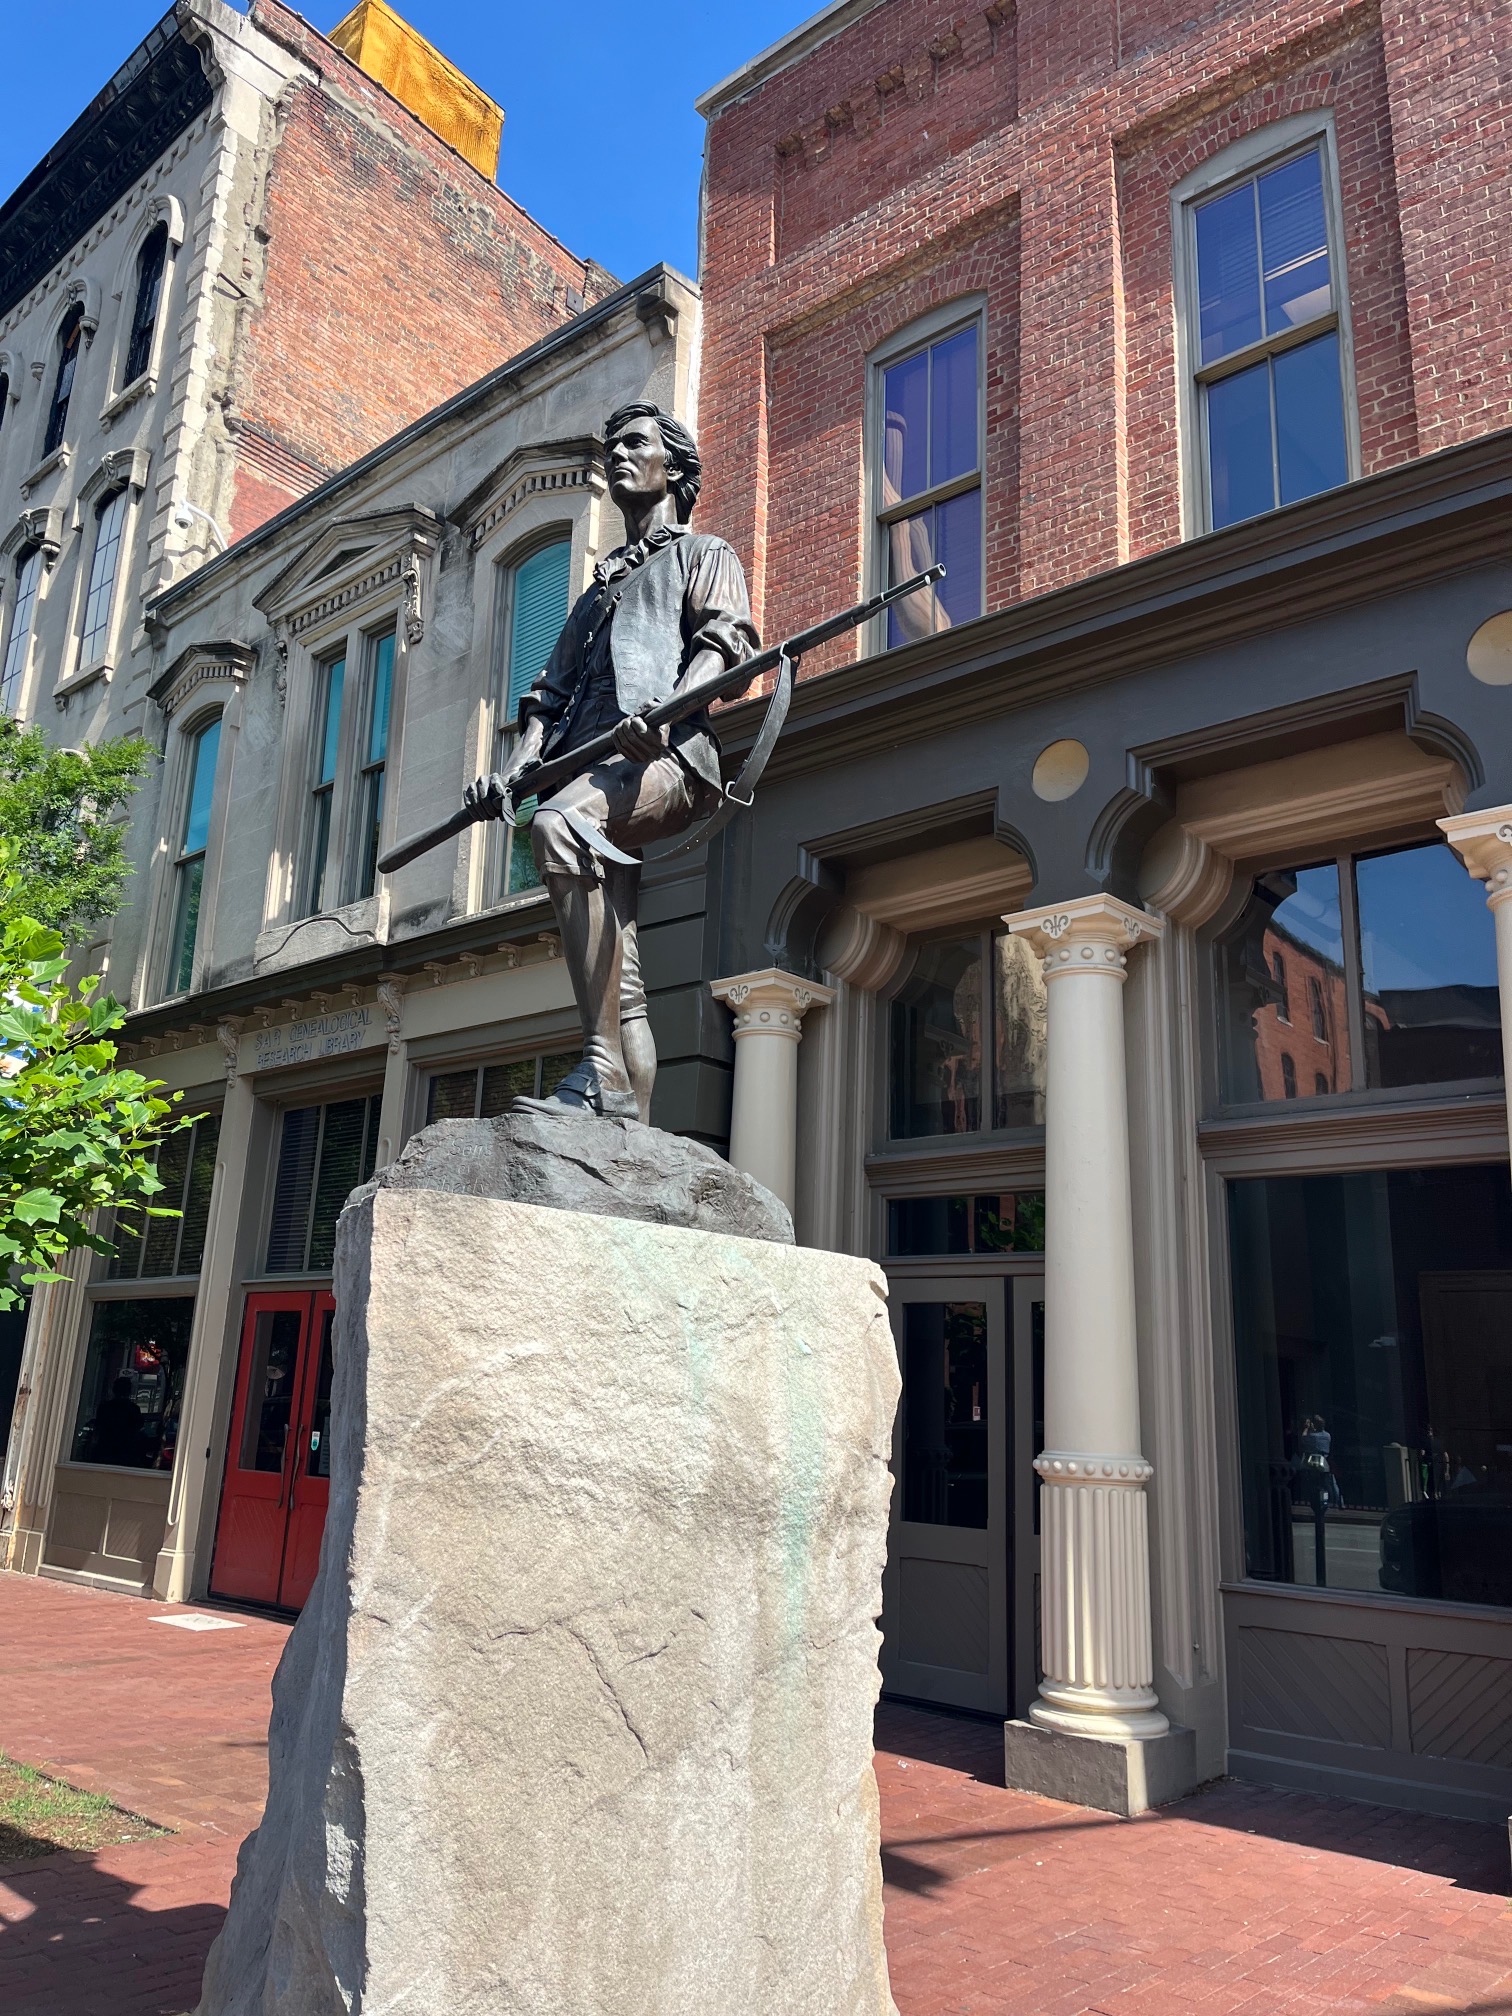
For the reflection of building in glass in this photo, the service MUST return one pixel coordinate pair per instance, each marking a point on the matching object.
(1302, 1033)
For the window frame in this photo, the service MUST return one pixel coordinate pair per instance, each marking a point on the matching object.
(501, 843)
(193, 736)
(318, 821)
(967, 311)
(1268, 147)
(1361, 1101)
(158, 234)
(68, 342)
(369, 774)
(104, 631)
(17, 681)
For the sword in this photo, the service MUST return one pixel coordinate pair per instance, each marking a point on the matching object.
(539, 780)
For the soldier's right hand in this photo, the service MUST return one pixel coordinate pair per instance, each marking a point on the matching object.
(489, 790)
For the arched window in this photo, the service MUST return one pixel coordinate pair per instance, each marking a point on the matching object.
(28, 573)
(110, 519)
(152, 262)
(68, 363)
(533, 599)
(194, 839)
(4, 398)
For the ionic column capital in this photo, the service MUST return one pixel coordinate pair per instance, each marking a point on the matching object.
(770, 1002)
(1483, 841)
(1090, 934)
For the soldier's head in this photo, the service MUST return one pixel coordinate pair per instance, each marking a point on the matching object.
(649, 455)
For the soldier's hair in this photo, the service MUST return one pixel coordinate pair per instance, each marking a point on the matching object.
(681, 447)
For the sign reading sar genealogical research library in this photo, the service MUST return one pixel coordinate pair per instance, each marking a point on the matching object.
(320, 1036)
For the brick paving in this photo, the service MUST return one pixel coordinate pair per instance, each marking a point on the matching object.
(1237, 1899)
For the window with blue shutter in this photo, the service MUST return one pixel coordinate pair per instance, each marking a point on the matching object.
(538, 609)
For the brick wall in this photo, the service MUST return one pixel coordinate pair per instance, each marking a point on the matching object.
(393, 274)
(934, 149)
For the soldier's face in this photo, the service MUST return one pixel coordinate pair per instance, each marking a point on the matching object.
(638, 465)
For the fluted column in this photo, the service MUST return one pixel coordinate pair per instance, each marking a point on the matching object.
(1095, 1560)
(769, 1007)
(1483, 841)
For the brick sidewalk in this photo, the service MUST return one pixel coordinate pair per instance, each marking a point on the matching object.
(997, 1904)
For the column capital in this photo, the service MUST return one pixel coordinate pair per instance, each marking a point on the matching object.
(1090, 934)
(1483, 841)
(770, 1002)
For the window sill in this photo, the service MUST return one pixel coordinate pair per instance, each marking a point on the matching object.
(1362, 1130)
(97, 668)
(1365, 1600)
(48, 466)
(139, 388)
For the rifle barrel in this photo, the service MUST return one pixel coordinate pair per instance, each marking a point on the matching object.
(543, 778)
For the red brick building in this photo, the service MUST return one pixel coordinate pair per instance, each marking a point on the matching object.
(892, 157)
(1151, 1023)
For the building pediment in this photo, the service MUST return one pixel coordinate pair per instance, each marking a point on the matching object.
(351, 562)
(223, 659)
(542, 468)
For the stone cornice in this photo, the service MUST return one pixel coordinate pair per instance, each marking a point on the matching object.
(157, 92)
(383, 545)
(545, 468)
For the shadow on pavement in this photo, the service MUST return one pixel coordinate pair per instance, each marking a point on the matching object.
(85, 1947)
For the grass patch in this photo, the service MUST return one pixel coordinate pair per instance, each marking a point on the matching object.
(39, 1815)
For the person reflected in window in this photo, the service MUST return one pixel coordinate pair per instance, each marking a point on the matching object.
(273, 1420)
(1319, 1488)
(116, 1433)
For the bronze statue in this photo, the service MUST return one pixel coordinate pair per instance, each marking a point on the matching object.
(615, 742)
(665, 613)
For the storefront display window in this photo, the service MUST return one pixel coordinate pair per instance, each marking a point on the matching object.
(133, 1385)
(964, 1054)
(1357, 975)
(1373, 1340)
(945, 1414)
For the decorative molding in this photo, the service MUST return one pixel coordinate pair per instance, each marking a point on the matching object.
(390, 994)
(1184, 878)
(1095, 1599)
(1056, 1467)
(350, 562)
(141, 387)
(228, 1035)
(1483, 841)
(655, 309)
(545, 468)
(1357, 1134)
(165, 208)
(1089, 935)
(84, 290)
(120, 468)
(97, 668)
(198, 666)
(770, 1002)
(42, 527)
(861, 950)
(50, 465)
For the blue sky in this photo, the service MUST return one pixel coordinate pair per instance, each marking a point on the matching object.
(578, 85)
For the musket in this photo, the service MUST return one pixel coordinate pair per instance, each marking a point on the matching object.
(539, 780)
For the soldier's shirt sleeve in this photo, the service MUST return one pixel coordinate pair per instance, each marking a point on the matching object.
(716, 606)
(553, 687)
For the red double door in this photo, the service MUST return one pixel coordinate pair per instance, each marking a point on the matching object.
(278, 1464)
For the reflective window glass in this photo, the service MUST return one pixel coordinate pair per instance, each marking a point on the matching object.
(133, 1385)
(1428, 957)
(103, 567)
(1241, 478)
(1228, 274)
(905, 395)
(28, 573)
(318, 1457)
(1281, 975)
(1294, 243)
(1018, 1033)
(937, 1041)
(945, 1413)
(931, 438)
(271, 1374)
(953, 407)
(1310, 451)
(1001, 1222)
(1373, 1340)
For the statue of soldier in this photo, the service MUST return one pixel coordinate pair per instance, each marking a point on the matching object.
(666, 612)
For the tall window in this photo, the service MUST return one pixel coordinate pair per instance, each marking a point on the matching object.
(190, 872)
(1398, 951)
(4, 399)
(1267, 342)
(375, 757)
(532, 609)
(324, 1153)
(482, 1091)
(104, 565)
(132, 1392)
(68, 363)
(149, 1249)
(152, 260)
(28, 573)
(968, 1038)
(929, 480)
(323, 791)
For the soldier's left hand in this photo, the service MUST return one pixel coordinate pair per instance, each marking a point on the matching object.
(633, 739)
